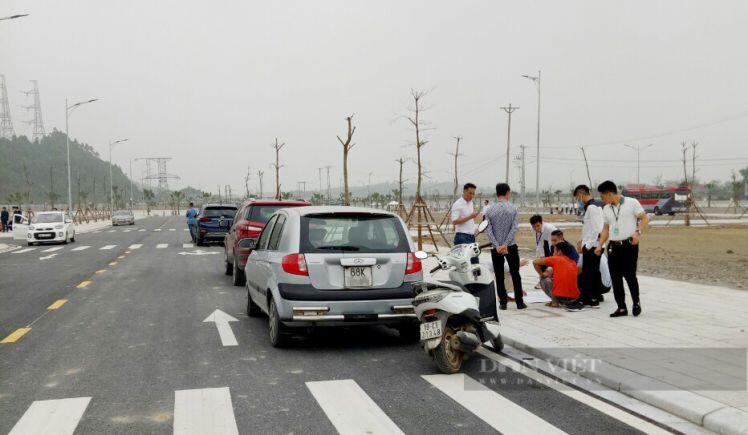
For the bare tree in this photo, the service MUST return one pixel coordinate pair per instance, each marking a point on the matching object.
(456, 154)
(347, 145)
(259, 177)
(277, 166)
(400, 181)
(246, 181)
(418, 124)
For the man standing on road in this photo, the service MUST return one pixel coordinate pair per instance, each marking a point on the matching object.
(592, 226)
(191, 216)
(463, 215)
(4, 217)
(625, 221)
(503, 222)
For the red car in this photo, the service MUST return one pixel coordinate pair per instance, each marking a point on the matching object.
(248, 223)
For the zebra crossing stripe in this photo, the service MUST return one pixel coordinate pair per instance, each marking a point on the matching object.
(107, 247)
(172, 229)
(157, 229)
(187, 245)
(21, 251)
(350, 409)
(135, 246)
(51, 417)
(53, 249)
(142, 230)
(162, 245)
(490, 406)
(204, 411)
(80, 248)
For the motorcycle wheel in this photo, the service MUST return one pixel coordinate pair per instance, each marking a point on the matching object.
(498, 344)
(447, 359)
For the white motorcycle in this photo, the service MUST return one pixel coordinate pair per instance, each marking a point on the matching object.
(459, 315)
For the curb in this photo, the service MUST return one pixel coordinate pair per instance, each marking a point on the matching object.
(707, 413)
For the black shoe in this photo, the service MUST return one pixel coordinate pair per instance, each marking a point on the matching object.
(502, 307)
(521, 306)
(600, 298)
(620, 312)
(594, 303)
(637, 310)
(575, 306)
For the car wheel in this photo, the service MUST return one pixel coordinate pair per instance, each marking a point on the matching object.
(253, 310)
(72, 239)
(228, 267)
(31, 243)
(199, 242)
(238, 279)
(657, 211)
(65, 241)
(276, 329)
(410, 333)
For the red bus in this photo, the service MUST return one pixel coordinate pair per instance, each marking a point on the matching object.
(658, 200)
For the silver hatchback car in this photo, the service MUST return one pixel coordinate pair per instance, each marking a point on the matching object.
(333, 266)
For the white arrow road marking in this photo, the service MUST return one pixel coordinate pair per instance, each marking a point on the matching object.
(222, 320)
(21, 251)
(350, 409)
(187, 245)
(162, 245)
(53, 249)
(199, 252)
(203, 411)
(80, 248)
(107, 247)
(48, 257)
(54, 417)
(490, 406)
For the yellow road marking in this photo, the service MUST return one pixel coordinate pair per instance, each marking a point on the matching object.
(100, 271)
(113, 263)
(57, 304)
(84, 284)
(15, 335)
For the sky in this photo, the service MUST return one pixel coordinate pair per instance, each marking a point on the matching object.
(212, 84)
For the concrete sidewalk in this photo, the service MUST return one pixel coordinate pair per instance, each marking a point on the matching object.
(686, 353)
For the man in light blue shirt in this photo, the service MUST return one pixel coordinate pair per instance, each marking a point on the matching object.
(192, 221)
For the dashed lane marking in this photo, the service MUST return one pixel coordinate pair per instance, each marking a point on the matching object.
(100, 271)
(57, 304)
(53, 249)
(142, 230)
(135, 246)
(113, 263)
(172, 229)
(107, 247)
(15, 335)
(80, 248)
(121, 257)
(157, 229)
(162, 245)
(21, 251)
(84, 284)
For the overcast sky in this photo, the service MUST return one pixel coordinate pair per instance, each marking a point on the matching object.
(211, 84)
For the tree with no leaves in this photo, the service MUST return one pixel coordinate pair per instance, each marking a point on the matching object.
(347, 145)
(418, 124)
(277, 166)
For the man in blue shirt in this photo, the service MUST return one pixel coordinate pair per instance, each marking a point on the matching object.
(503, 223)
(191, 221)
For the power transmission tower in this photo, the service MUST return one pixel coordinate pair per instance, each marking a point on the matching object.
(37, 130)
(6, 123)
(277, 166)
(509, 110)
(162, 175)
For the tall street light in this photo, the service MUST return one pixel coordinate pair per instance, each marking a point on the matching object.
(111, 179)
(638, 150)
(68, 111)
(536, 80)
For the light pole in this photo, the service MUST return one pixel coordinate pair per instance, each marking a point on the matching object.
(111, 179)
(536, 80)
(68, 111)
(638, 150)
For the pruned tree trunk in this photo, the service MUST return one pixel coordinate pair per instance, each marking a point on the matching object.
(277, 165)
(347, 145)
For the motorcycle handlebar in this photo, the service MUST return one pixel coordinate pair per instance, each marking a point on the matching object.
(435, 269)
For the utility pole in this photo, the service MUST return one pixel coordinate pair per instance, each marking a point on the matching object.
(509, 109)
(37, 130)
(319, 170)
(277, 165)
(259, 177)
(6, 123)
(521, 160)
(587, 166)
(536, 80)
(328, 183)
(694, 144)
(303, 191)
(638, 150)
(368, 191)
(219, 194)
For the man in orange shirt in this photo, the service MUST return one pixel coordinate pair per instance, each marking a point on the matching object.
(559, 280)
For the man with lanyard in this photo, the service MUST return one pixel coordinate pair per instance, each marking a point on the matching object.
(191, 217)
(625, 220)
(592, 226)
(463, 215)
(542, 231)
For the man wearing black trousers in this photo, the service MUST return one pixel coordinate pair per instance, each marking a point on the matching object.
(503, 222)
(625, 221)
(592, 226)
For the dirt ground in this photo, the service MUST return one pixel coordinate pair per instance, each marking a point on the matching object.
(715, 255)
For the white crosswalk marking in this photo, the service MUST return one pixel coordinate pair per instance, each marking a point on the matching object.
(53, 249)
(21, 251)
(204, 411)
(53, 417)
(186, 229)
(350, 409)
(135, 246)
(80, 248)
(187, 245)
(162, 245)
(141, 230)
(126, 231)
(112, 231)
(172, 229)
(157, 229)
(107, 247)
(490, 406)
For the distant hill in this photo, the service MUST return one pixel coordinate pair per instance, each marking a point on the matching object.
(36, 173)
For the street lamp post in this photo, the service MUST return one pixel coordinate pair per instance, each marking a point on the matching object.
(638, 150)
(111, 179)
(68, 111)
(536, 80)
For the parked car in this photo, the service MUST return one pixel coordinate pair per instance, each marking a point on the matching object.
(213, 222)
(123, 217)
(333, 266)
(249, 222)
(46, 227)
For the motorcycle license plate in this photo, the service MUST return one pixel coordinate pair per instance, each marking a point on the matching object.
(358, 276)
(431, 330)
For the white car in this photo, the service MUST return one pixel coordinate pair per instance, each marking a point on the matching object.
(47, 226)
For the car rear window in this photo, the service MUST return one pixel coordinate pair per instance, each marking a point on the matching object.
(228, 212)
(352, 232)
(262, 213)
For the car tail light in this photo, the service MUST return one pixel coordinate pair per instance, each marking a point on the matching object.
(247, 231)
(295, 264)
(414, 265)
(204, 219)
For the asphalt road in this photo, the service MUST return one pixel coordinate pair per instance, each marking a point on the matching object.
(133, 340)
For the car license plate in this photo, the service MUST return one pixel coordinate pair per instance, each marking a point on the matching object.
(45, 236)
(431, 330)
(358, 276)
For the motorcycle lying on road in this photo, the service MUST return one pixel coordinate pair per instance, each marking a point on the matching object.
(457, 315)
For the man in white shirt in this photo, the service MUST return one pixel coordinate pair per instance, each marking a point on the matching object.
(463, 215)
(624, 222)
(592, 226)
(542, 232)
